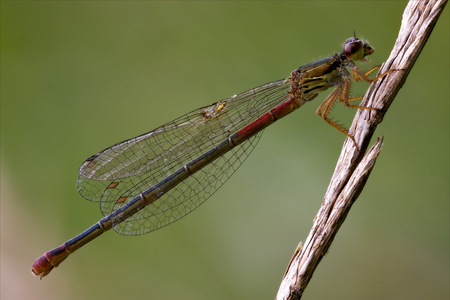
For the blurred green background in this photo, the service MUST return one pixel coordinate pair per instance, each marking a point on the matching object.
(77, 77)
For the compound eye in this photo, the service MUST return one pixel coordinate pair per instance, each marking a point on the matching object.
(354, 50)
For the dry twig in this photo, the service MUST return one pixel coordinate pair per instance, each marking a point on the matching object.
(353, 167)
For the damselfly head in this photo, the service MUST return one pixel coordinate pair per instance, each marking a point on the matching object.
(355, 49)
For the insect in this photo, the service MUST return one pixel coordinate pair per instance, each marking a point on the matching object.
(152, 180)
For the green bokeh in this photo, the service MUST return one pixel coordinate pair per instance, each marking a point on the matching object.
(77, 77)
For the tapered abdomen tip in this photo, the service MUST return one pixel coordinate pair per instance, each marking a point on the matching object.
(41, 267)
(51, 259)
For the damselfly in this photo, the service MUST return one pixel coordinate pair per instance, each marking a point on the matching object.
(154, 179)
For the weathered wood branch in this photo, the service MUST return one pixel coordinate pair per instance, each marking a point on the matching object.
(353, 167)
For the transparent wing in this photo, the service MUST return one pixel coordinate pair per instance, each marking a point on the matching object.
(121, 172)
